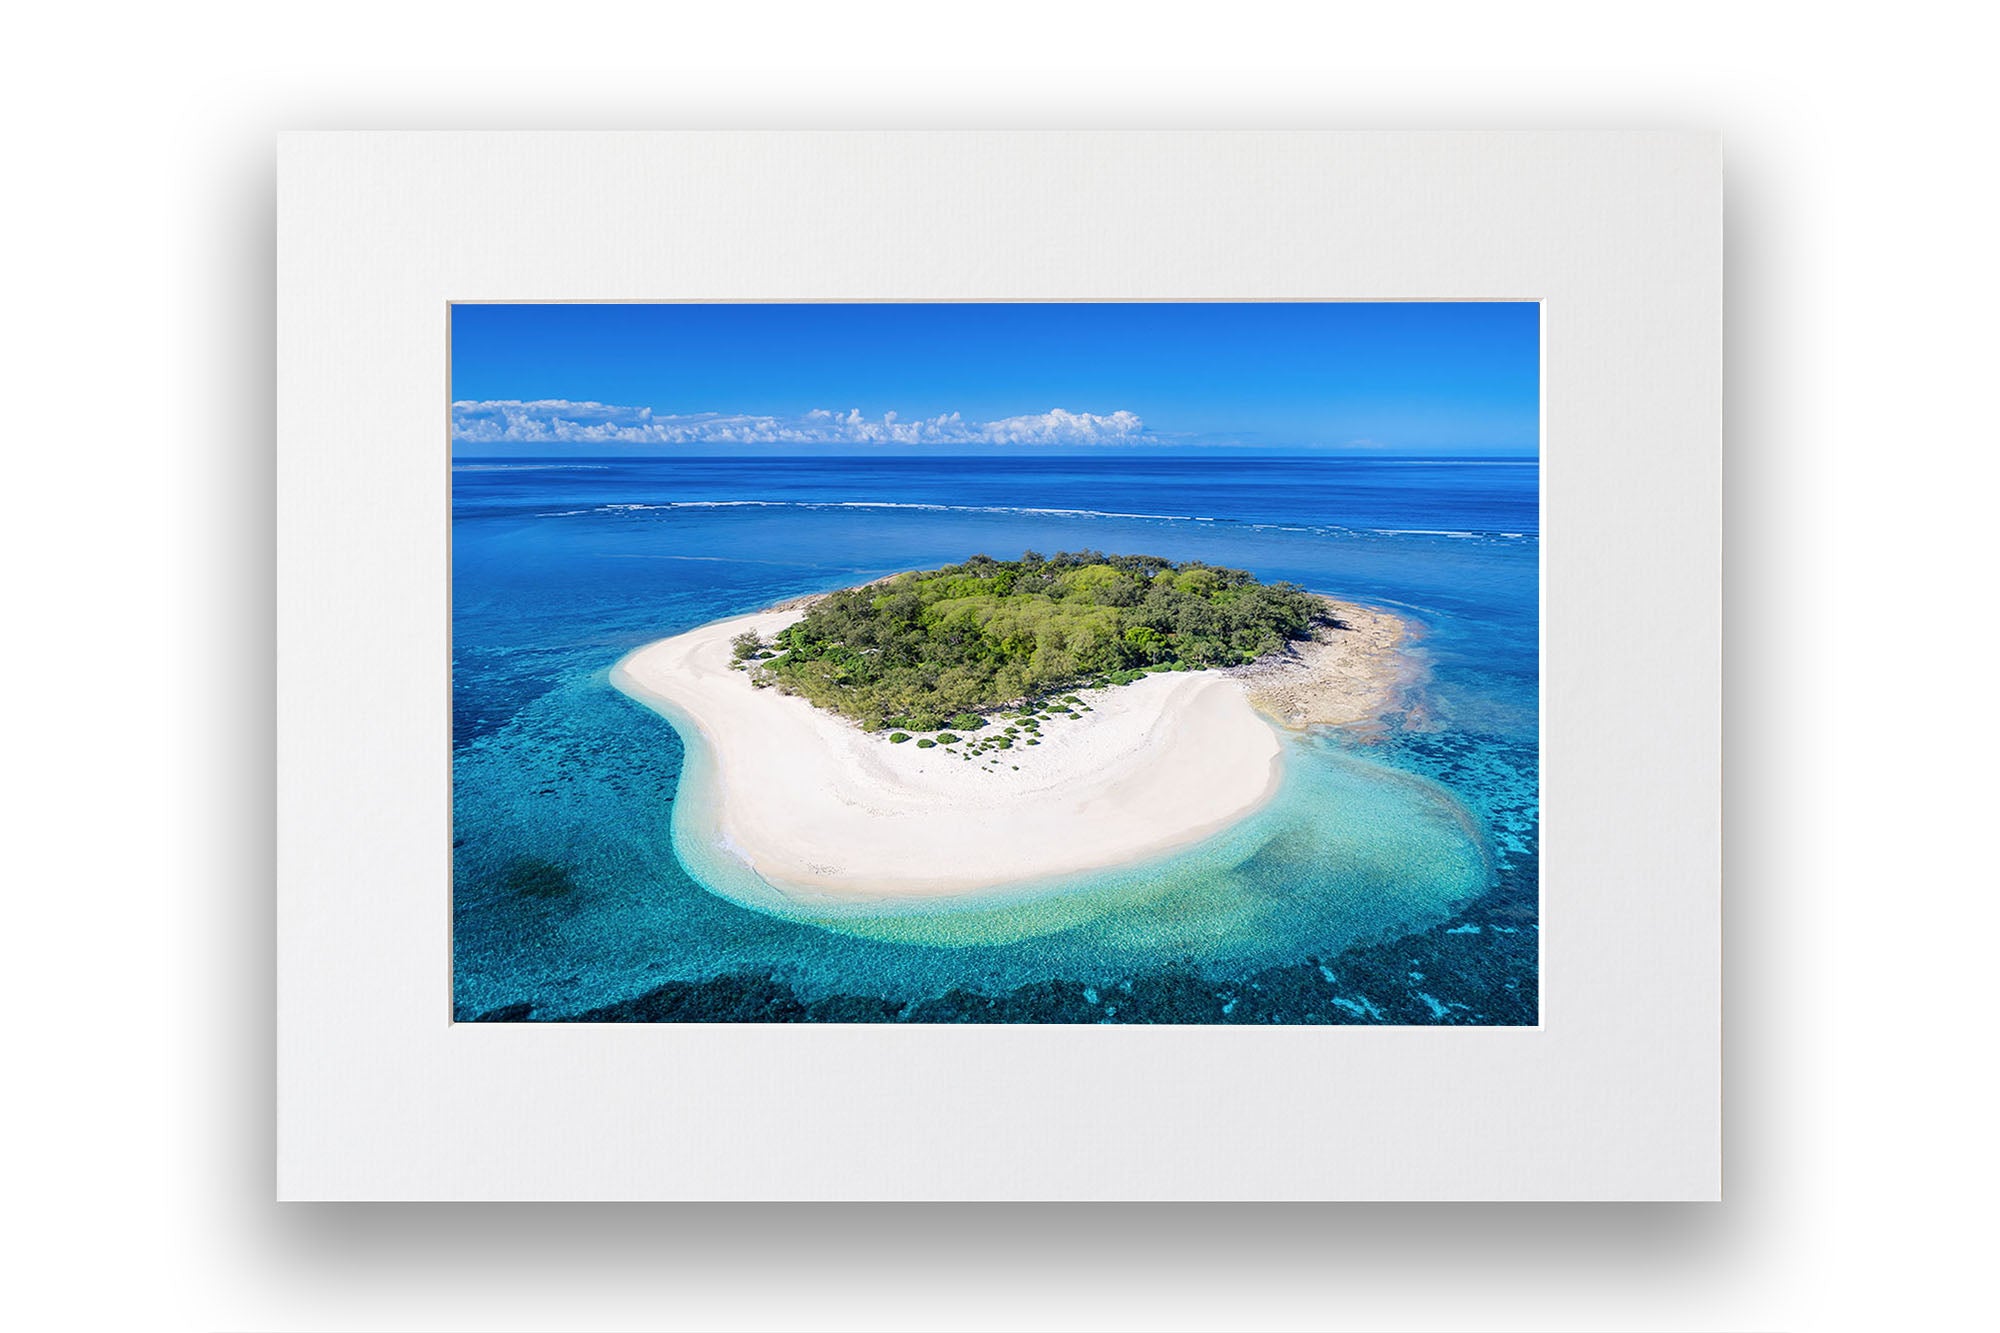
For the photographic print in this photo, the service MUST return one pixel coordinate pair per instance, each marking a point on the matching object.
(1162, 663)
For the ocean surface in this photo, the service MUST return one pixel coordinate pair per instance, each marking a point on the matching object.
(1394, 879)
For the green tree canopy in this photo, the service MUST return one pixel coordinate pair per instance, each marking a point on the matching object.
(924, 648)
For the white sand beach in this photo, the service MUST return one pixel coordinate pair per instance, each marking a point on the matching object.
(818, 807)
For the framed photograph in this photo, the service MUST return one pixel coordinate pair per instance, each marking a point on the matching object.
(962, 666)
(1017, 712)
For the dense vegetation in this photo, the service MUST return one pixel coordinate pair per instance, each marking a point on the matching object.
(941, 647)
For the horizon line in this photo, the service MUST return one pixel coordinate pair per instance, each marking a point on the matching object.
(1017, 451)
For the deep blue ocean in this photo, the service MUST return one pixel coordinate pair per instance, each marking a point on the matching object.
(1396, 880)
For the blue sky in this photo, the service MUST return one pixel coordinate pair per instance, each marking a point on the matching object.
(1422, 379)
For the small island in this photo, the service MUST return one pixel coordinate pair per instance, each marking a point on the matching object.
(1063, 713)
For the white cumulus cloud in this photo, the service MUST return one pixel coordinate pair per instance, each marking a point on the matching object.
(559, 421)
(1059, 427)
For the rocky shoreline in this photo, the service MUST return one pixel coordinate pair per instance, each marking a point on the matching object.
(1355, 670)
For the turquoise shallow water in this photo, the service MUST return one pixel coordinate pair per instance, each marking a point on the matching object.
(1387, 880)
(1345, 850)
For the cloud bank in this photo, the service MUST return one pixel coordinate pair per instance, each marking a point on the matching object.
(560, 421)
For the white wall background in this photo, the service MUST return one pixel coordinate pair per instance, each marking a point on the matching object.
(137, 354)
